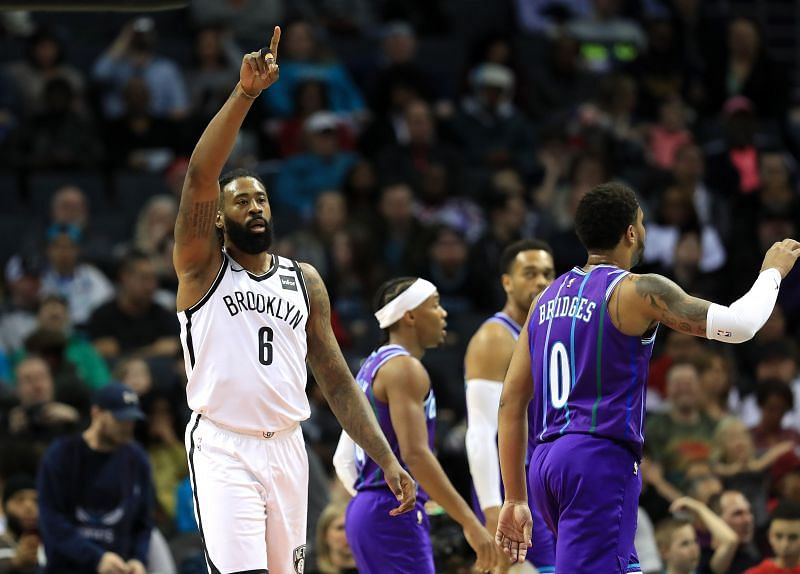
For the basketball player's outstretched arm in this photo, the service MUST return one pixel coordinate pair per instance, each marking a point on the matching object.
(660, 300)
(515, 523)
(197, 254)
(347, 401)
(407, 384)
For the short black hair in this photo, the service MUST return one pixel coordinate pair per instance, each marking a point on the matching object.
(511, 251)
(229, 176)
(131, 258)
(786, 510)
(390, 290)
(774, 387)
(604, 214)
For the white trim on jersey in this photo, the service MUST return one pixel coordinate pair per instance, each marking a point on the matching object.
(245, 348)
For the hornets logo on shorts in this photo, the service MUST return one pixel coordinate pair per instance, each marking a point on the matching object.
(300, 559)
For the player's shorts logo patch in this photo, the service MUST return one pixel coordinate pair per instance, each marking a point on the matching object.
(288, 282)
(299, 559)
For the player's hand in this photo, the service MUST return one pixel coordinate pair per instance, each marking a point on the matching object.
(491, 516)
(514, 527)
(260, 69)
(403, 487)
(782, 256)
(481, 542)
(112, 563)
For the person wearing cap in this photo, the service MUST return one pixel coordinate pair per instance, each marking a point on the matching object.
(96, 493)
(489, 127)
(324, 166)
(82, 284)
(399, 389)
(19, 546)
(18, 314)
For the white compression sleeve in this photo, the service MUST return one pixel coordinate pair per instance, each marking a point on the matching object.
(483, 403)
(344, 461)
(740, 322)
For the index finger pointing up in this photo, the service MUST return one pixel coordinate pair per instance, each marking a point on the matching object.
(273, 44)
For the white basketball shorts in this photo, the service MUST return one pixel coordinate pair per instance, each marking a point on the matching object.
(250, 497)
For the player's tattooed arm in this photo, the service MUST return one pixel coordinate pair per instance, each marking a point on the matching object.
(196, 250)
(333, 376)
(665, 302)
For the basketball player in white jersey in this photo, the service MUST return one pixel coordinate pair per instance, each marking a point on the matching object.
(249, 321)
(527, 268)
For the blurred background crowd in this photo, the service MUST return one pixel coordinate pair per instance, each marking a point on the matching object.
(413, 137)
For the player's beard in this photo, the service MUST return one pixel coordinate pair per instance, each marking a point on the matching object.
(637, 257)
(247, 241)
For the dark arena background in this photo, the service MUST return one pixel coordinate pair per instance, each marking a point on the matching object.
(403, 138)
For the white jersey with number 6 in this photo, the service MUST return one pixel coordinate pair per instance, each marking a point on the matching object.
(244, 348)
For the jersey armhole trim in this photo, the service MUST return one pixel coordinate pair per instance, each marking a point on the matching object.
(302, 281)
(217, 280)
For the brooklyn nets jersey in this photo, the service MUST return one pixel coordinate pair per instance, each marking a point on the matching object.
(244, 346)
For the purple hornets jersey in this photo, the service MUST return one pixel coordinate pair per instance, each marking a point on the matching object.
(370, 475)
(589, 378)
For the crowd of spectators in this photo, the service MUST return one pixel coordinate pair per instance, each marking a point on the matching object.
(403, 138)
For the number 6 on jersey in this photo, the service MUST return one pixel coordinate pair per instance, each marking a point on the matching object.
(265, 345)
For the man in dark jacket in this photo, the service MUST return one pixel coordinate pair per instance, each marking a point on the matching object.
(96, 493)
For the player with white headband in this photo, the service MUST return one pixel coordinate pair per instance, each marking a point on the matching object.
(399, 389)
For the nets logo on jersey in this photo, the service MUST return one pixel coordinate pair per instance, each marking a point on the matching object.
(299, 559)
(288, 282)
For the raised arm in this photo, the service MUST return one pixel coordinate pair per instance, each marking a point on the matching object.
(660, 300)
(407, 384)
(723, 539)
(346, 400)
(515, 521)
(197, 255)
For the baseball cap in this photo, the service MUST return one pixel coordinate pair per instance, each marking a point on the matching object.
(19, 266)
(121, 400)
(493, 76)
(321, 121)
(143, 24)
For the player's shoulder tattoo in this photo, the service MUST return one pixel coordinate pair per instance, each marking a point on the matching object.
(673, 306)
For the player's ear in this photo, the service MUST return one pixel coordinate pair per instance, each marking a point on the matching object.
(505, 278)
(218, 219)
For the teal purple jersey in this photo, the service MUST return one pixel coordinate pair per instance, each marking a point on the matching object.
(370, 475)
(589, 378)
(542, 553)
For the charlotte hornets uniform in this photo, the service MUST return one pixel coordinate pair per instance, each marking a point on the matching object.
(384, 544)
(590, 382)
(542, 552)
(244, 349)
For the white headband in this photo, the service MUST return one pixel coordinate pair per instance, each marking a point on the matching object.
(408, 300)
